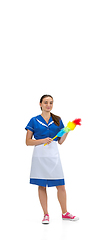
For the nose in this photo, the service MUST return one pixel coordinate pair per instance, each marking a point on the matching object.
(48, 105)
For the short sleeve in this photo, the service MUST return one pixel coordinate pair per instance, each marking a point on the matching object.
(61, 124)
(30, 125)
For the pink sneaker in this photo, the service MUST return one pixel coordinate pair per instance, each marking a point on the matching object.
(45, 219)
(69, 216)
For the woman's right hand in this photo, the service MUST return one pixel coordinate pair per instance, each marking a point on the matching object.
(47, 140)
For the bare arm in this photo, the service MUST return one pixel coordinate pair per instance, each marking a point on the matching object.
(32, 142)
(62, 139)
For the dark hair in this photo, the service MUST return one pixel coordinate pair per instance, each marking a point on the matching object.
(55, 118)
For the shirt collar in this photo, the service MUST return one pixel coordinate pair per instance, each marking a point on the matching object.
(42, 121)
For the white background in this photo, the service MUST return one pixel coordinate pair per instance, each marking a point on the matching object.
(50, 47)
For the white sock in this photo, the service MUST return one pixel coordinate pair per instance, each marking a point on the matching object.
(64, 213)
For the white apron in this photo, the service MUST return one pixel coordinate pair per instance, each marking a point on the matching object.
(46, 162)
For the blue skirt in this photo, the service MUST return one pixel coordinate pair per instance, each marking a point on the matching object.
(47, 182)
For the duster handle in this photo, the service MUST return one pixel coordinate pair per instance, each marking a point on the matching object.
(52, 139)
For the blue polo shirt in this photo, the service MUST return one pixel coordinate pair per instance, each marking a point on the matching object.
(41, 129)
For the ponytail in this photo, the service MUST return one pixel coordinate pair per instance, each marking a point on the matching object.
(56, 119)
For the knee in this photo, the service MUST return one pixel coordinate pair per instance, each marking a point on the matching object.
(61, 188)
(42, 188)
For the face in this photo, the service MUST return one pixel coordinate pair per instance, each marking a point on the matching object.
(47, 104)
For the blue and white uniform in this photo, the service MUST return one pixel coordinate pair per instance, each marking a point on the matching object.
(46, 168)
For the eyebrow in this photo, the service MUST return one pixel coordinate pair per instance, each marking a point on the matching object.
(47, 101)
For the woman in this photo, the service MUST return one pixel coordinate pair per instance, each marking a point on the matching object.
(46, 169)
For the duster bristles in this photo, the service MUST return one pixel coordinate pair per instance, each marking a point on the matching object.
(70, 126)
(77, 121)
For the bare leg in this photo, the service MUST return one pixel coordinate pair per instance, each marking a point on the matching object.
(62, 198)
(43, 198)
